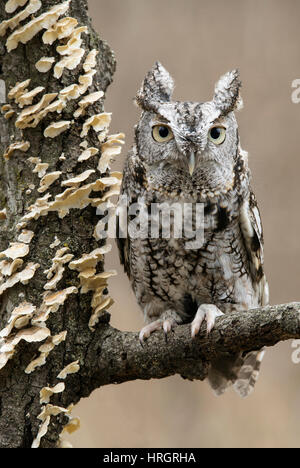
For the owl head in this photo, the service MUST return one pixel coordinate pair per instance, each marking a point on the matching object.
(187, 135)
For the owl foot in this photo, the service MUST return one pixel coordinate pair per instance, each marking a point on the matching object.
(209, 312)
(166, 325)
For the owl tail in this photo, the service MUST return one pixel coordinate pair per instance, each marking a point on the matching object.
(240, 372)
(248, 374)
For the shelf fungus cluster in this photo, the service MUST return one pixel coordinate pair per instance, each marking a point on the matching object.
(25, 33)
(55, 273)
(11, 262)
(76, 196)
(67, 30)
(91, 281)
(48, 410)
(12, 272)
(44, 350)
(8, 111)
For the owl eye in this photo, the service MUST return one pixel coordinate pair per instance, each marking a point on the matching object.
(217, 135)
(162, 133)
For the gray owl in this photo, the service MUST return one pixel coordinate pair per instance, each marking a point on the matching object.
(190, 152)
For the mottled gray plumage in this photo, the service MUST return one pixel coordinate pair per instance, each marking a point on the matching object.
(173, 284)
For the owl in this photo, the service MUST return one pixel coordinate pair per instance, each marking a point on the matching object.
(190, 153)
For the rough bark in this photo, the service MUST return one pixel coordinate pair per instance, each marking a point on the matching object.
(106, 355)
(19, 393)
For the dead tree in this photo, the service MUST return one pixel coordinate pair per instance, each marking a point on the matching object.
(56, 342)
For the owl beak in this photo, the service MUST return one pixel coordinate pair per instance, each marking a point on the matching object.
(191, 162)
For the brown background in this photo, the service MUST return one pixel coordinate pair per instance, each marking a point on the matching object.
(197, 41)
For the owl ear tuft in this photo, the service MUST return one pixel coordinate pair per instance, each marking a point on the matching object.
(157, 88)
(227, 92)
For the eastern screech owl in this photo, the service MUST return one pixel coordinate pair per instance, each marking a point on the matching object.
(190, 152)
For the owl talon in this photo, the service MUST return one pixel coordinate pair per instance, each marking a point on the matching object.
(148, 329)
(167, 326)
(208, 312)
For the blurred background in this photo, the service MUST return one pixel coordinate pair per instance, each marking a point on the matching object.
(197, 41)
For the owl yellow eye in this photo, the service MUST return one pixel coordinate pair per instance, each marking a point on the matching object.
(162, 133)
(217, 135)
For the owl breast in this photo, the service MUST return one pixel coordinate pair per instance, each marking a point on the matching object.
(166, 272)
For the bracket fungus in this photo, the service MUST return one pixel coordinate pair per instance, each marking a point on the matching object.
(59, 297)
(98, 122)
(26, 236)
(31, 335)
(71, 368)
(39, 168)
(12, 5)
(18, 146)
(16, 320)
(59, 30)
(16, 250)
(56, 128)
(44, 64)
(18, 90)
(47, 392)
(41, 432)
(86, 80)
(87, 101)
(55, 273)
(87, 154)
(33, 27)
(73, 43)
(45, 349)
(47, 180)
(23, 276)
(5, 108)
(110, 149)
(8, 111)
(52, 302)
(55, 243)
(91, 259)
(90, 61)
(76, 181)
(90, 281)
(48, 410)
(70, 92)
(31, 116)
(69, 61)
(8, 268)
(97, 311)
(9, 114)
(27, 98)
(12, 23)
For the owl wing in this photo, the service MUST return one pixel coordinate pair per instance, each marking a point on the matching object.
(252, 233)
(133, 183)
(251, 228)
(123, 247)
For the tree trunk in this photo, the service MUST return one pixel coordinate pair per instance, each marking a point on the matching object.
(19, 391)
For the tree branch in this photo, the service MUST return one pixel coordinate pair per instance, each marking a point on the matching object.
(122, 358)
